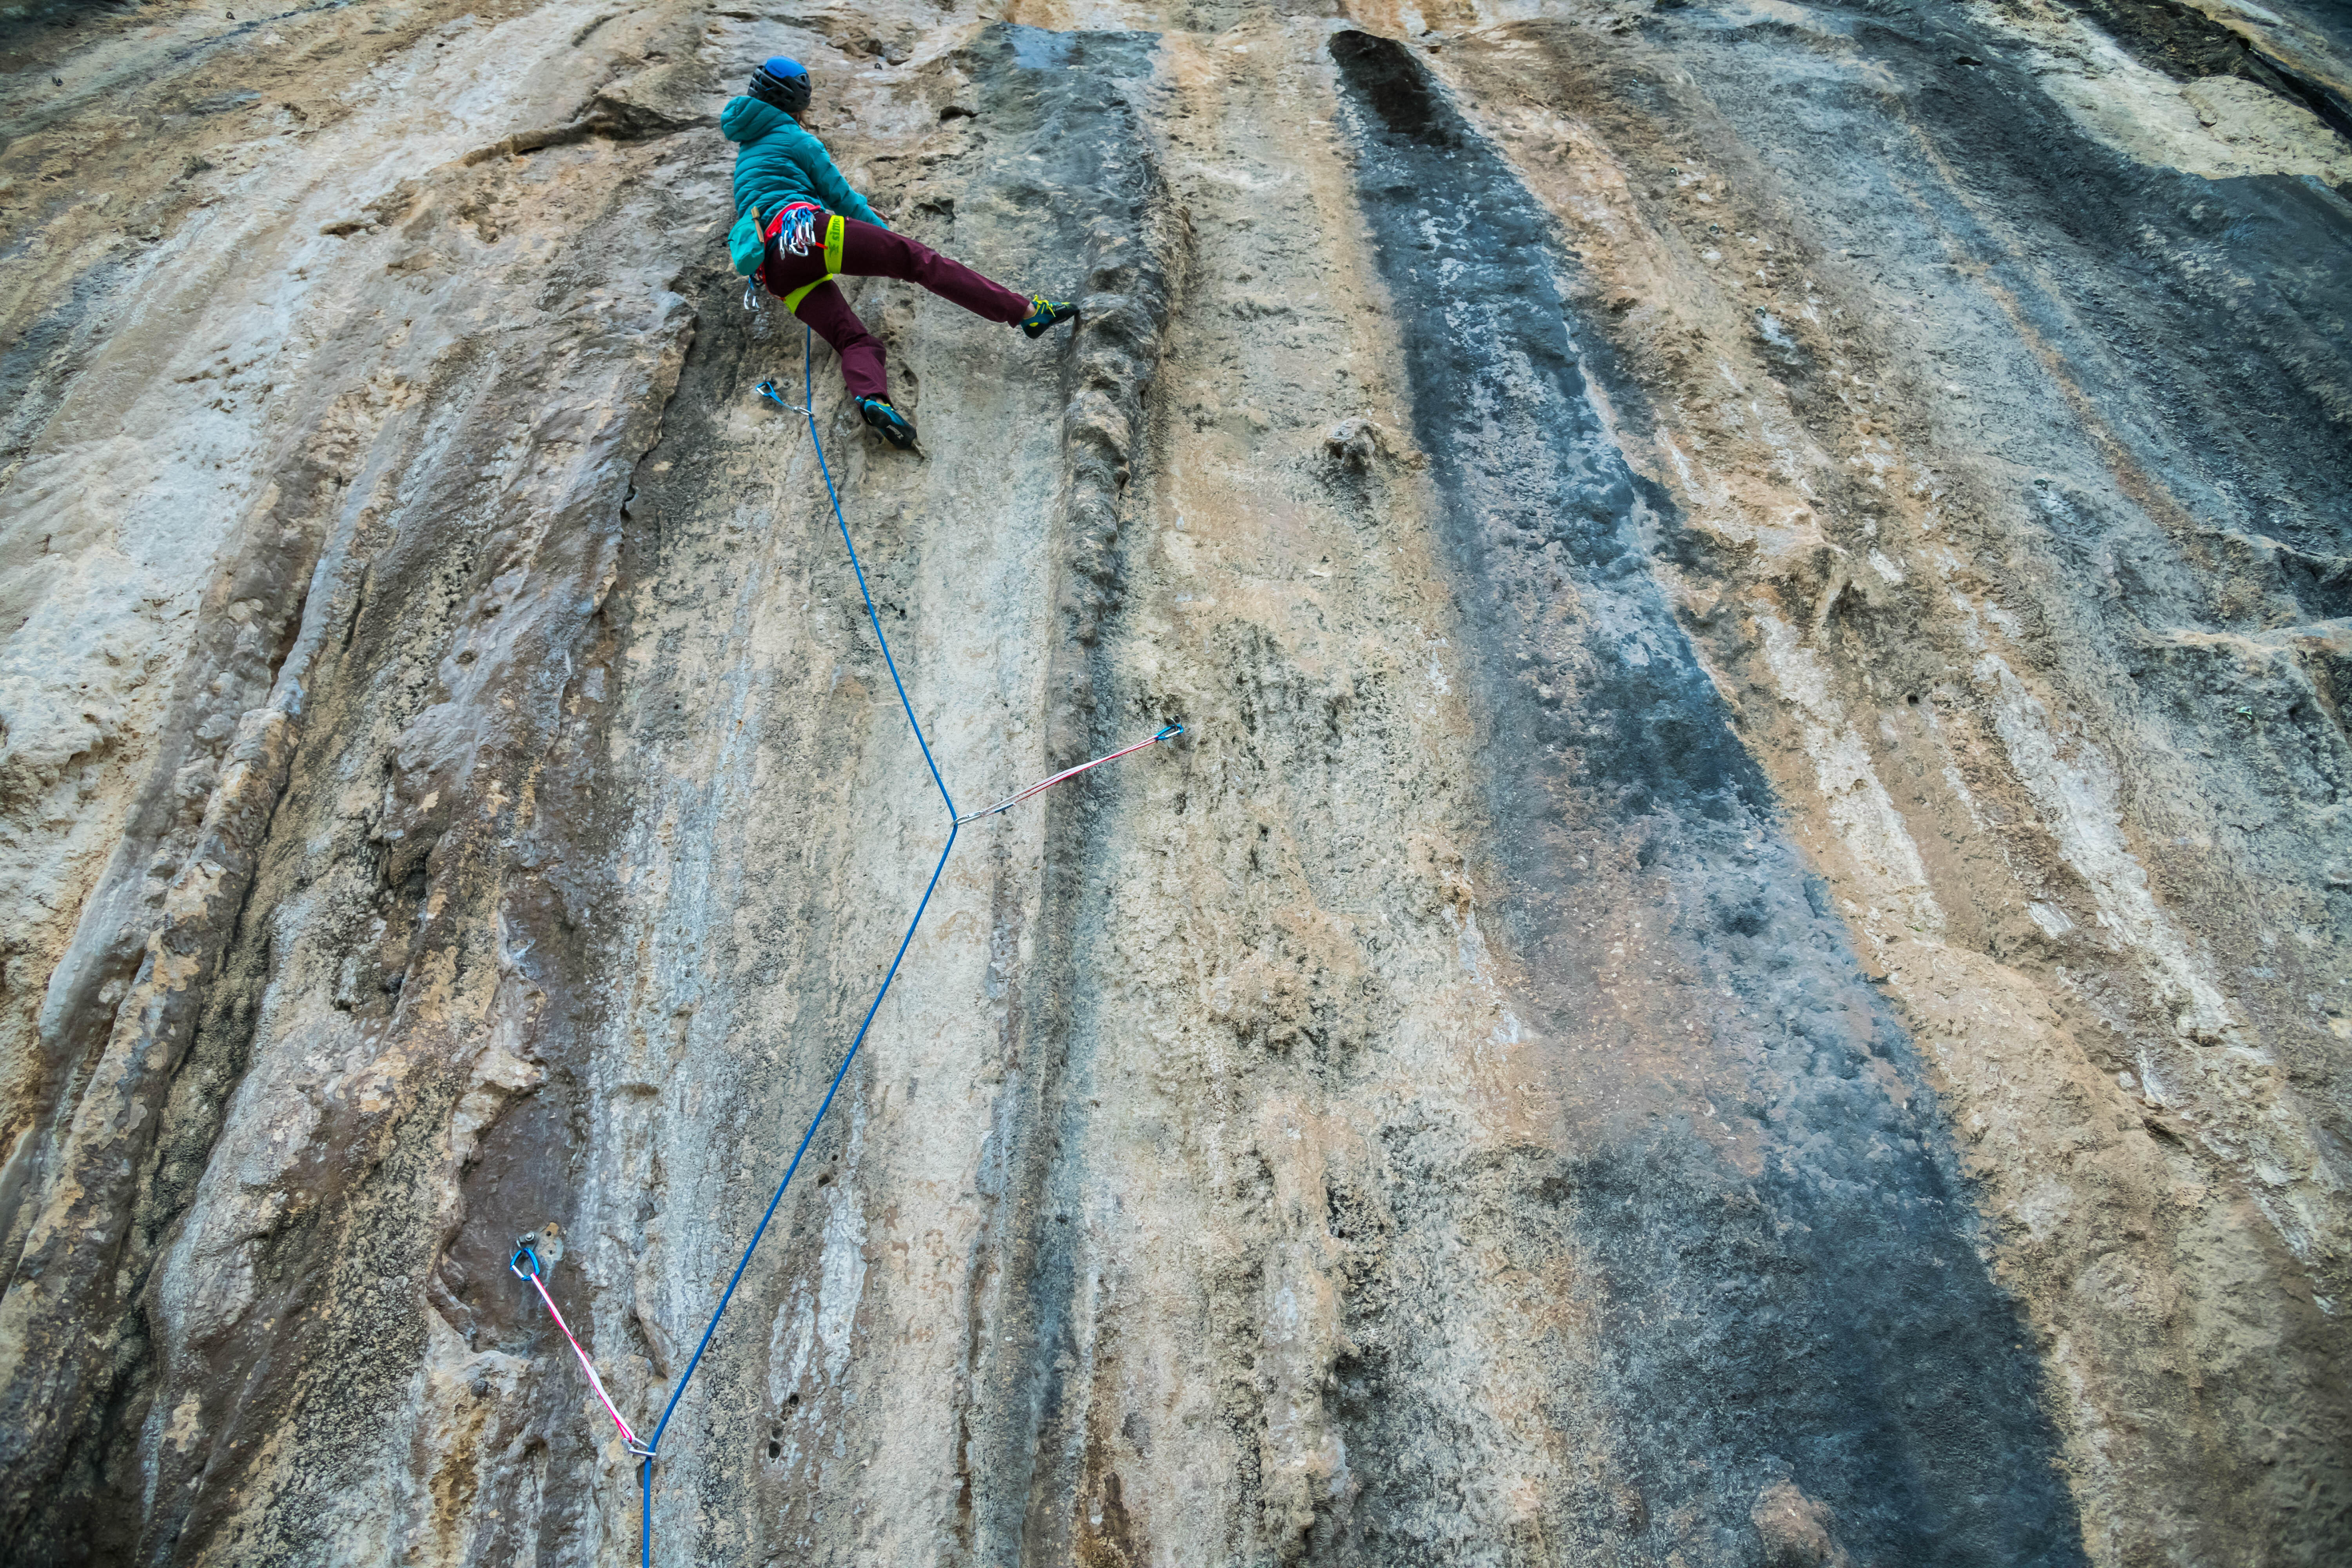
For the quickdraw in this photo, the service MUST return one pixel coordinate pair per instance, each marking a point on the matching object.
(1167, 733)
(794, 228)
(535, 1275)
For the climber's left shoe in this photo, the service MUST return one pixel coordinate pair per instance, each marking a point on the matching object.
(1046, 315)
(893, 427)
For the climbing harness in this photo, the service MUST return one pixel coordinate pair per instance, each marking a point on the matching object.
(538, 1283)
(805, 227)
(793, 228)
(648, 1451)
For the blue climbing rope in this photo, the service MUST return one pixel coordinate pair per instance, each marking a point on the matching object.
(647, 1452)
(808, 408)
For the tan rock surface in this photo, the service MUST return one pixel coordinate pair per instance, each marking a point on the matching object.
(1742, 961)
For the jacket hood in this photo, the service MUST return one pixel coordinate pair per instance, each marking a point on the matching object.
(747, 119)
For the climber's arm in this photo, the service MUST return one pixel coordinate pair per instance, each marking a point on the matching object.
(838, 195)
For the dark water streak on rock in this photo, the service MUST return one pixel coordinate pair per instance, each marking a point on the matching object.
(1828, 1322)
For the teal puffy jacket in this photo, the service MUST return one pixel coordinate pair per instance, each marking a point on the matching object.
(781, 163)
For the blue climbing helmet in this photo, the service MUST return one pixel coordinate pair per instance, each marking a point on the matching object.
(782, 82)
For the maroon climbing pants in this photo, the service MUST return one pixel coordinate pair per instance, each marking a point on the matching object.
(867, 251)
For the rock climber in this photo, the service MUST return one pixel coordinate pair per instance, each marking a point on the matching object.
(806, 227)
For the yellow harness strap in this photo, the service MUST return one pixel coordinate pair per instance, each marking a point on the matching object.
(832, 238)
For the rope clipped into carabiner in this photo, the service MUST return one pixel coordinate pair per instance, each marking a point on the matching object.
(522, 1250)
(767, 389)
(1167, 732)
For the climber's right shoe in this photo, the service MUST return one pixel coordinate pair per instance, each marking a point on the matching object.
(1046, 315)
(894, 426)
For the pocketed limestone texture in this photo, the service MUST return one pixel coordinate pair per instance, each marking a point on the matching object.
(1741, 963)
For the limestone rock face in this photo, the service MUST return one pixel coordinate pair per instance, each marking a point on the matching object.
(1742, 960)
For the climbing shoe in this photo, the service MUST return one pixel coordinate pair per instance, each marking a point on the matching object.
(894, 426)
(1048, 314)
